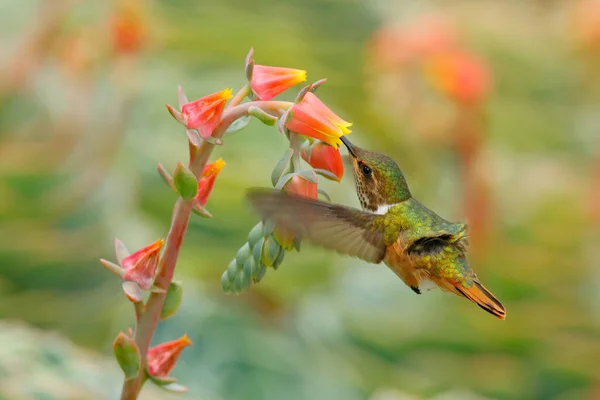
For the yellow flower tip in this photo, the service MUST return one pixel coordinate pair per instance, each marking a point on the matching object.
(158, 244)
(226, 94)
(214, 168)
(301, 74)
(185, 340)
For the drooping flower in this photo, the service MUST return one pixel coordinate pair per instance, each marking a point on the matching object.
(207, 181)
(205, 113)
(460, 76)
(323, 156)
(310, 117)
(140, 267)
(268, 82)
(162, 358)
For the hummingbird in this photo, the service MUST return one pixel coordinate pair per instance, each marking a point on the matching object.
(418, 245)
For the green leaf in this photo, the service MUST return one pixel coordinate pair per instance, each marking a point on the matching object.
(257, 250)
(255, 234)
(242, 255)
(270, 251)
(279, 259)
(172, 301)
(161, 381)
(259, 272)
(127, 355)
(247, 273)
(239, 124)
(185, 182)
(281, 167)
(225, 281)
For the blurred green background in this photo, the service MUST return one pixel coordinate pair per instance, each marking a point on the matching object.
(83, 125)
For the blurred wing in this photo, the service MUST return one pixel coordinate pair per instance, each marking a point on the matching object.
(343, 229)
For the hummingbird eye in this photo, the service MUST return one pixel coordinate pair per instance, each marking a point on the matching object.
(366, 170)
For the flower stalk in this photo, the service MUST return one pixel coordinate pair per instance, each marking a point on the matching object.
(206, 121)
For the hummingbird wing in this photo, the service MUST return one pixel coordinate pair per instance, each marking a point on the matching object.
(343, 229)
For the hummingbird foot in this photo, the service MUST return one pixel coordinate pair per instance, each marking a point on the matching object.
(416, 289)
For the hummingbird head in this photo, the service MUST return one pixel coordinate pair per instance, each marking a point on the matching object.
(379, 180)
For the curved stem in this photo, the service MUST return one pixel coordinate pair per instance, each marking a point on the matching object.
(199, 156)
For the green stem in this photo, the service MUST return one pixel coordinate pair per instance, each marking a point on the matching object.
(295, 146)
(199, 156)
(239, 97)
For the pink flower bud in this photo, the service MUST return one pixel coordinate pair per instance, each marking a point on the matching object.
(268, 82)
(207, 181)
(162, 358)
(140, 267)
(205, 113)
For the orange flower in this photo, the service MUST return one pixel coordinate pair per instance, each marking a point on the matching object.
(205, 113)
(586, 24)
(460, 76)
(310, 117)
(140, 267)
(268, 82)
(162, 358)
(207, 181)
(323, 156)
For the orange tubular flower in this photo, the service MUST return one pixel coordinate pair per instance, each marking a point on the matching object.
(312, 118)
(205, 113)
(460, 76)
(140, 267)
(207, 181)
(268, 82)
(128, 28)
(162, 358)
(323, 156)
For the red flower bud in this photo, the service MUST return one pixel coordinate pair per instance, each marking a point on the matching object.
(300, 186)
(310, 117)
(268, 82)
(140, 267)
(205, 113)
(323, 156)
(207, 181)
(162, 358)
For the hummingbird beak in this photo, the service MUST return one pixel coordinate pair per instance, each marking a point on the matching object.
(348, 145)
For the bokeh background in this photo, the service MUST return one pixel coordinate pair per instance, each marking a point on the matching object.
(492, 108)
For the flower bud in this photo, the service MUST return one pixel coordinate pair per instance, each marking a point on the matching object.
(270, 251)
(172, 301)
(185, 182)
(207, 182)
(321, 156)
(255, 234)
(127, 355)
(162, 358)
(267, 82)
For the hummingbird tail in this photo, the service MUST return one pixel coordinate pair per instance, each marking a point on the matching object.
(479, 295)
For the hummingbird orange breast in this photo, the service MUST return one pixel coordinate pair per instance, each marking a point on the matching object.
(397, 259)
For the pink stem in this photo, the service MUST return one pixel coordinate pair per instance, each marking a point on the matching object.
(181, 215)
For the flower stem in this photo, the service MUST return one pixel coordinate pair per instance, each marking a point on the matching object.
(199, 156)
